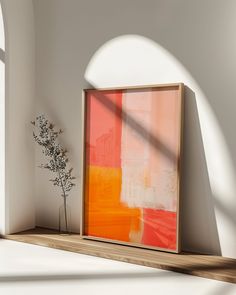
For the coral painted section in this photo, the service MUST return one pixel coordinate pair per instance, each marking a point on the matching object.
(103, 138)
(159, 228)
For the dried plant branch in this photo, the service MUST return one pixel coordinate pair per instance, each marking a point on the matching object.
(47, 138)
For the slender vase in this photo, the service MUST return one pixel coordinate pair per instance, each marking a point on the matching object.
(64, 218)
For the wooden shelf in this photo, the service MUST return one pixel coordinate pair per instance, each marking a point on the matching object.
(206, 266)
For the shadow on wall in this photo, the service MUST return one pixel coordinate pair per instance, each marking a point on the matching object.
(69, 38)
(2, 55)
(198, 220)
(198, 217)
(90, 276)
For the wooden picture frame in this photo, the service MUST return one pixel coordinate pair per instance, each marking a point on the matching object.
(103, 103)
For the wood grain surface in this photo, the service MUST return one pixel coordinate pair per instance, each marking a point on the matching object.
(206, 266)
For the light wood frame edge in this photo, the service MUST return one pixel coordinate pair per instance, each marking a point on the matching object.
(82, 171)
(180, 160)
(135, 87)
(180, 149)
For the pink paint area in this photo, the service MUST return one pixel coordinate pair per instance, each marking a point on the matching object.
(159, 228)
(149, 149)
(103, 138)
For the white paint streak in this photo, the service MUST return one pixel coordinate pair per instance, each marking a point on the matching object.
(143, 184)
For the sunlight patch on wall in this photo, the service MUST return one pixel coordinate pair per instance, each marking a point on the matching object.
(135, 60)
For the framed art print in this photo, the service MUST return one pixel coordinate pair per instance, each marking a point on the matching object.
(131, 169)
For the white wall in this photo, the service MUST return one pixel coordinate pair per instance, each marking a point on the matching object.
(157, 41)
(19, 108)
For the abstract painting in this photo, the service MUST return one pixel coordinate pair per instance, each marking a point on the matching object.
(132, 165)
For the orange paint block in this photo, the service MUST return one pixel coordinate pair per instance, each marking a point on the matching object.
(105, 215)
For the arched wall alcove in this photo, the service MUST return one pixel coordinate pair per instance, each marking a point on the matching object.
(17, 107)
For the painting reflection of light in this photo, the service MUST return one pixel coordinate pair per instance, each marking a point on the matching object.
(136, 60)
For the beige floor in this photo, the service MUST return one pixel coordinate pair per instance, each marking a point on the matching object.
(28, 269)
